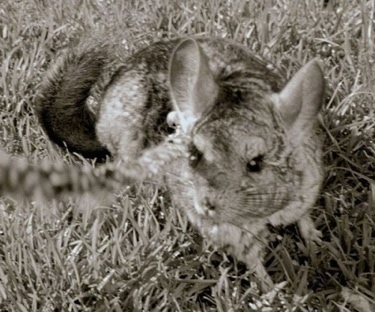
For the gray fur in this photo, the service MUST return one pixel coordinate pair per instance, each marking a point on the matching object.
(254, 155)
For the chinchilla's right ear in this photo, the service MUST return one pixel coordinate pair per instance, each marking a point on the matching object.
(301, 99)
(192, 86)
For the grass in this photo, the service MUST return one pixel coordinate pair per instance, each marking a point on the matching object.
(134, 251)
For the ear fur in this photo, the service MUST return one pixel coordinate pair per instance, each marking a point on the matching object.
(192, 86)
(301, 99)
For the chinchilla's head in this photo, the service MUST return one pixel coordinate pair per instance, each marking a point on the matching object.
(251, 151)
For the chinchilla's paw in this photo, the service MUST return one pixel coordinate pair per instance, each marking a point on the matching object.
(308, 231)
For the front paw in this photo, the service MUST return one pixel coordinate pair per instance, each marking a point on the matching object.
(308, 231)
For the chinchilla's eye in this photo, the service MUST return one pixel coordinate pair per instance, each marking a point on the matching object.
(255, 164)
(195, 156)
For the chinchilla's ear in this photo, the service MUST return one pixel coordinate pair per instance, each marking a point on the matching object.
(192, 86)
(301, 99)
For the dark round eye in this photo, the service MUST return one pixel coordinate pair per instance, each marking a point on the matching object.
(195, 156)
(254, 165)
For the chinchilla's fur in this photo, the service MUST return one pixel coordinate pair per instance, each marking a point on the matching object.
(254, 156)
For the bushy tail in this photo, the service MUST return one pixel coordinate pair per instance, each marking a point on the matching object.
(61, 103)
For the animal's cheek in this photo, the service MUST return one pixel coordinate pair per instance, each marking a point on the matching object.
(249, 182)
(245, 183)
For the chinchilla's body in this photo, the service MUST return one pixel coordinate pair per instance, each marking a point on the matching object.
(254, 157)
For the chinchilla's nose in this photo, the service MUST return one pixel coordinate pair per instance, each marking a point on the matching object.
(208, 207)
(204, 207)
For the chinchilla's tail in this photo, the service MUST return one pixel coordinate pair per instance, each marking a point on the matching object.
(61, 104)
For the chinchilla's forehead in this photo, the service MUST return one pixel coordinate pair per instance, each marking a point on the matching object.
(238, 111)
(237, 134)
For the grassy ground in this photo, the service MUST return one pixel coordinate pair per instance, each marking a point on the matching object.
(134, 251)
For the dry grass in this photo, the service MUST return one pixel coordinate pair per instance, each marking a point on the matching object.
(134, 251)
